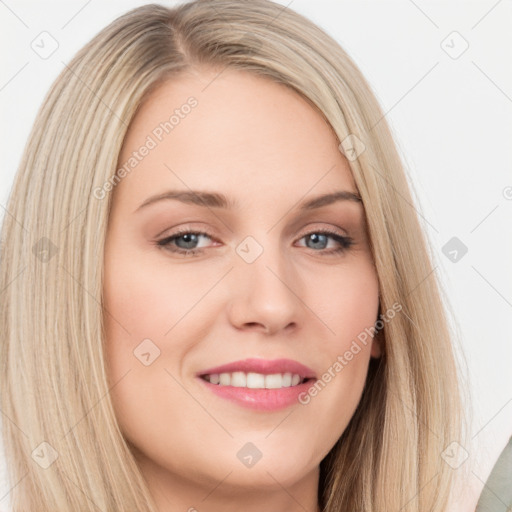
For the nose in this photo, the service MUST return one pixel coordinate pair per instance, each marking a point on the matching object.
(266, 294)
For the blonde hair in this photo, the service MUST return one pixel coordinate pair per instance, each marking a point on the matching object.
(54, 386)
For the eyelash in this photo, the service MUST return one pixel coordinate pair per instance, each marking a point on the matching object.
(344, 241)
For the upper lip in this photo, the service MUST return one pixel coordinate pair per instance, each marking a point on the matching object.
(263, 366)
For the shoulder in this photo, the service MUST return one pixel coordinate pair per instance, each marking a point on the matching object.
(497, 492)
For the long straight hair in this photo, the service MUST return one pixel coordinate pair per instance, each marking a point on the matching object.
(63, 445)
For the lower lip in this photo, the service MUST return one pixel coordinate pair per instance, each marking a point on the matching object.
(260, 399)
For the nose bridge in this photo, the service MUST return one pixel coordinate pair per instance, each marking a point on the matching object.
(264, 288)
(263, 260)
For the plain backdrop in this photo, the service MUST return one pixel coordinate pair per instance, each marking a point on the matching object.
(441, 71)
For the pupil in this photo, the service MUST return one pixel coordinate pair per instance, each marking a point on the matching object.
(190, 240)
(315, 238)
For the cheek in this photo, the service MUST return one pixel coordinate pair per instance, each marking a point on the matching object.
(143, 297)
(147, 310)
(357, 309)
(139, 310)
(348, 302)
(136, 316)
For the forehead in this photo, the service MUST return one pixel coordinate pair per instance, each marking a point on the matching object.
(231, 130)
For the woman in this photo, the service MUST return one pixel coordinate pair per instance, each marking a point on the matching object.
(144, 372)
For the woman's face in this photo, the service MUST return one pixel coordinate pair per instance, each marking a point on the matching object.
(263, 283)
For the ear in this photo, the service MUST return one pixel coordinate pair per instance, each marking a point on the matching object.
(377, 345)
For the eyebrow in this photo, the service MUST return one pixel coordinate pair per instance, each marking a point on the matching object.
(217, 200)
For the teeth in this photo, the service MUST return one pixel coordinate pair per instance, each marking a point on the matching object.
(225, 379)
(238, 379)
(254, 380)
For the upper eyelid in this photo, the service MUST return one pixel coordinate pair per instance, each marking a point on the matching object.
(203, 231)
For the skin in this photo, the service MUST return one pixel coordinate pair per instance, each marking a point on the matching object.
(260, 143)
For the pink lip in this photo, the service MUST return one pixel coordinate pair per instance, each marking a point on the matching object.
(261, 399)
(264, 366)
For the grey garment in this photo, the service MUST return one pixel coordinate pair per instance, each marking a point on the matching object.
(497, 493)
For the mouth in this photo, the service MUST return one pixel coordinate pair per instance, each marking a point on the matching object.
(264, 385)
(253, 380)
(256, 373)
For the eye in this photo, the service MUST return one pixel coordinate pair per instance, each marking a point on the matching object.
(186, 242)
(319, 240)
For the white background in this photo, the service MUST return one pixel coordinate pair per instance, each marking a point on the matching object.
(452, 120)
